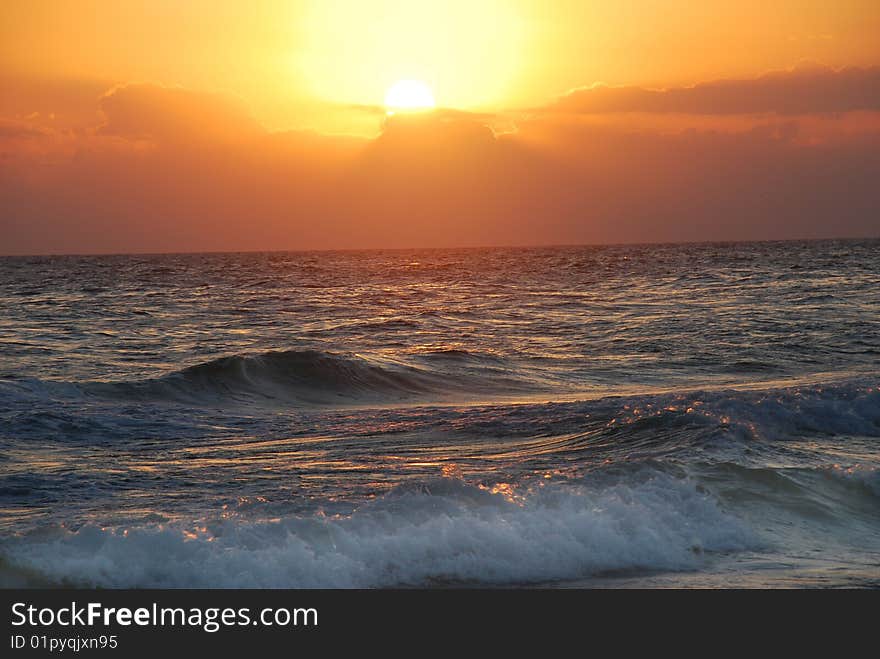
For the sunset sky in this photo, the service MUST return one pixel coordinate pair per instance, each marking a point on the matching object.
(135, 126)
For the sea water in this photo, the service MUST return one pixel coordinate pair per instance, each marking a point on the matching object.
(655, 415)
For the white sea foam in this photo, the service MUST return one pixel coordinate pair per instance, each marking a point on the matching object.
(442, 531)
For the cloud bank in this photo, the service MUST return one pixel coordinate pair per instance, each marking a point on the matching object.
(148, 111)
(803, 90)
(170, 169)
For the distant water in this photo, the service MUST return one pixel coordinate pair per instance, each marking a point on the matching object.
(668, 415)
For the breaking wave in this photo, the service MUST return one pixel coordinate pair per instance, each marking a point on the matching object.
(441, 531)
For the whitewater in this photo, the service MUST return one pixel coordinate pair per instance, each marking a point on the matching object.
(620, 416)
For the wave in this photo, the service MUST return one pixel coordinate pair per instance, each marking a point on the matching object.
(746, 420)
(827, 495)
(309, 376)
(441, 531)
(626, 520)
(291, 376)
(660, 482)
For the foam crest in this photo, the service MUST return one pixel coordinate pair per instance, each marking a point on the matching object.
(442, 531)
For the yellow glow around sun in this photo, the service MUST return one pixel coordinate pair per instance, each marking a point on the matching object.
(350, 52)
(409, 95)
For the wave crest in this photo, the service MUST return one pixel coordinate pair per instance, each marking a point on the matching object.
(308, 377)
(441, 531)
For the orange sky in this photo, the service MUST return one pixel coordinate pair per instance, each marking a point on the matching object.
(176, 126)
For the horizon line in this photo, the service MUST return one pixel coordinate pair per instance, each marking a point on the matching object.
(447, 247)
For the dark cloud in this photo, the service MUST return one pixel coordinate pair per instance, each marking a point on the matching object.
(173, 114)
(803, 90)
(444, 130)
(16, 129)
(53, 103)
(220, 182)
(425, 116)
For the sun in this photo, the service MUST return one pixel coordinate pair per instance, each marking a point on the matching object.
(409, 96)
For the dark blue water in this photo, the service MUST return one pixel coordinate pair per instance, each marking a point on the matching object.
(632, 415)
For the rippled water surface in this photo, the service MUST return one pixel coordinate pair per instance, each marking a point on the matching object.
(681, 415)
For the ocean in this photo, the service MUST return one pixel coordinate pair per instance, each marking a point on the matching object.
(620, 416)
